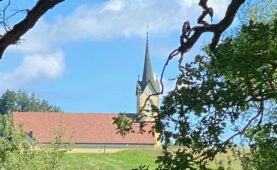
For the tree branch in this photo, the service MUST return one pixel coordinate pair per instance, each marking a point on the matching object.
(217, 29)
(13, 36)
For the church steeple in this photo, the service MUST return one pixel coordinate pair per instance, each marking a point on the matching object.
(147, 70)
(147, 86)
(146, 101)
(148, 76)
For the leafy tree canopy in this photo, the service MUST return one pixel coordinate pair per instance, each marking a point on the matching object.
(18, 151)
(231, 89)
(11, 101)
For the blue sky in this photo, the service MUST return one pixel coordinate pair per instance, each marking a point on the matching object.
(85, 56)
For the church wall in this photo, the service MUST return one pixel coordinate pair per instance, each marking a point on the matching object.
(155, 101)
(143, 96)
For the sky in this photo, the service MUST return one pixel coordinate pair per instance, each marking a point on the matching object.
(85, 56)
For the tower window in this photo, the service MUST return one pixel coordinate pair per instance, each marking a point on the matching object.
(149, 109)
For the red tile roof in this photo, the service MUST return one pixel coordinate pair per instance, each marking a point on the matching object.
(79, 128)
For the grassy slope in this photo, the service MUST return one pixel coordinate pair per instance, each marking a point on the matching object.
(127, 160)
(123, 160)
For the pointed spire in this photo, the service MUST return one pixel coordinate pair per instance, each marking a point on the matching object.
(147, 70)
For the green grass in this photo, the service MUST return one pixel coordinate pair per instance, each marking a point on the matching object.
(122, 160)
(129, 159)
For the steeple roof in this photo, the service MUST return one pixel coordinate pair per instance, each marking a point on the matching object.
(148, 76)
(147, 70)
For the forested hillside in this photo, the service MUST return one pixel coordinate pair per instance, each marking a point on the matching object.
(22, 101)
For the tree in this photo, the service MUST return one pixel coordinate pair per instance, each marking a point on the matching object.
(8, 102)
(11, 101)
(23, 104)
(262, 139)
(258, 11)
(12, 34)
(263, 147)
(231, 89)
(17, 151)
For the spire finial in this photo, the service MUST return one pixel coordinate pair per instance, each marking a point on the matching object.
(147, 33)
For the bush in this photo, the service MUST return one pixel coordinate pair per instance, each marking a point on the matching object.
(19, 151)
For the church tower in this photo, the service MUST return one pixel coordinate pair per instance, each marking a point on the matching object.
(145, 87)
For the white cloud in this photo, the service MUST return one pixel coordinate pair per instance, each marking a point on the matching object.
(36, 41)
(114, 5)
(113, 18)
(189, 3)
(34, 68)
(219, 7)
(116, 18)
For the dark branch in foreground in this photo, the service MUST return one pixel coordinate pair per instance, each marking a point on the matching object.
(13, 36)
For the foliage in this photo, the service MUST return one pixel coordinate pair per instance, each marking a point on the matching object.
(232, 89)
(263, 147)
(11, 101)
(123, 124)
(18, 150)
(258, 11)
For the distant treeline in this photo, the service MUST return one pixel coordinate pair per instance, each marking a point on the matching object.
(21, 101)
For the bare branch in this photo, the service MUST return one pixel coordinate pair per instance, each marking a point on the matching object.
(13, 35)
(217, 29)
(16, 12)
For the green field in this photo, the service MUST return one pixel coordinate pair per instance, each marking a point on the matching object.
(121, 160)
(127, 160)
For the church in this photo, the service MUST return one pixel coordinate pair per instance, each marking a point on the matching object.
(95, 130)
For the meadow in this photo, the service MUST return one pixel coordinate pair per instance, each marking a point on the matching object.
(130, 159)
